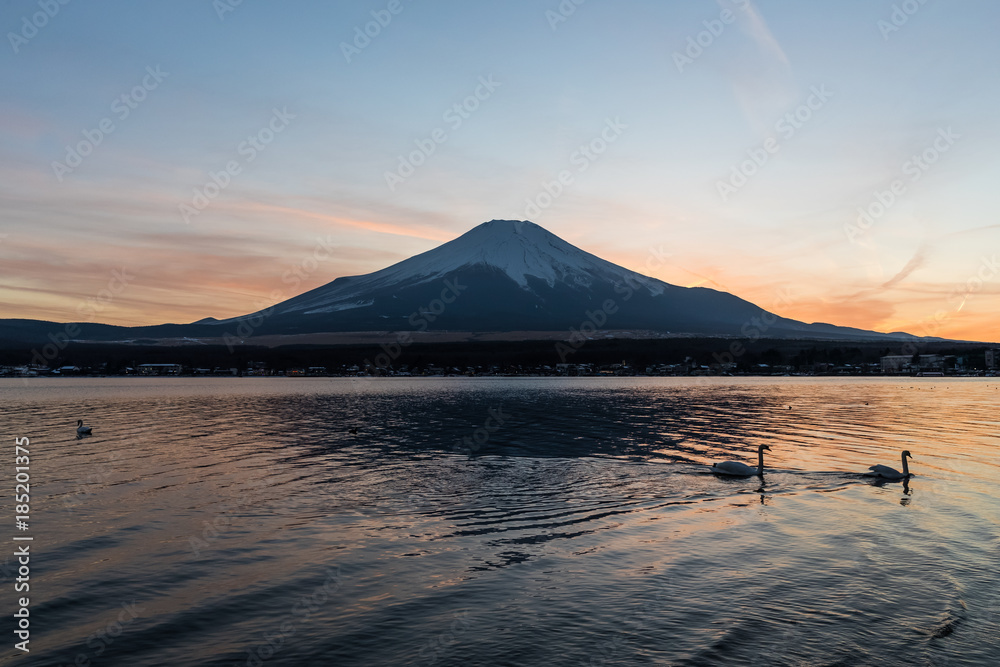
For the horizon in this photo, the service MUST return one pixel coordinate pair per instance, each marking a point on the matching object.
(517, 224)
(827, 163)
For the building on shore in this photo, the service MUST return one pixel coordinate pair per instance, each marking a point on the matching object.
(912, 363)
(159, 369)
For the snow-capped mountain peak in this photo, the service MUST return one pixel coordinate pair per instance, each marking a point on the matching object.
(519, 249)
(514, 276)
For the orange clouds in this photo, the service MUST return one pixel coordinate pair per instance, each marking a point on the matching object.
(176, 277)
(871, 313)
(229, 261)
(325, 221)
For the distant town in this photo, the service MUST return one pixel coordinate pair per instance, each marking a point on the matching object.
(929, 365)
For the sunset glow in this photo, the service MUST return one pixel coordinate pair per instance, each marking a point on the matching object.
(830, 163)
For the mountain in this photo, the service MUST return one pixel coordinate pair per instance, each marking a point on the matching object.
(501, 276)
(507, 275)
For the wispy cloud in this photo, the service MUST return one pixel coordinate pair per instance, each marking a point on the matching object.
(761, 75)
(426, 233)
(754, 25)
(918, 260)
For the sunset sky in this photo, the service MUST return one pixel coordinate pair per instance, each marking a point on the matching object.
(187, 157)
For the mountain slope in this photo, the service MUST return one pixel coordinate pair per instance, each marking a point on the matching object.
(502, 275)
(508, 275)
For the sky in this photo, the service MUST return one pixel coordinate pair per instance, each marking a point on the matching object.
(830, 162)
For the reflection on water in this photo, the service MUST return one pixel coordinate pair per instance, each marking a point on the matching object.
(508, 522)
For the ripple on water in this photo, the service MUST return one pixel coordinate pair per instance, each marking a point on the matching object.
(586, 529)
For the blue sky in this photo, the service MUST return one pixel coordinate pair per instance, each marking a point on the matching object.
(656, 194)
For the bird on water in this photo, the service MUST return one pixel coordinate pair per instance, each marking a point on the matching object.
(740, 469)
(886, 472)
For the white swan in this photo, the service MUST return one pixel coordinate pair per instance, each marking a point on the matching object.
(81, 429)
(891, 473)
(739, 469)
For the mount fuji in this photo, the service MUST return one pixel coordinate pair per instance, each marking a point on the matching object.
(503, 277)
(507, 275)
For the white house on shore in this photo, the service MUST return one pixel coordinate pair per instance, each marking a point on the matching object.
(905, 363)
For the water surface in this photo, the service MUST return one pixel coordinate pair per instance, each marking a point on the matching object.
(526, 521)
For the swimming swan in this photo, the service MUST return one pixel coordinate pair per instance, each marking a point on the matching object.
(891, 473)
(81, 429)
(740, 469)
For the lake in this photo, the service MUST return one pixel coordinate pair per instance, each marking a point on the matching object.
(505, 521)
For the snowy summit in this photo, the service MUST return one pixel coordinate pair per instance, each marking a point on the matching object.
(512, 275)
(519, 249)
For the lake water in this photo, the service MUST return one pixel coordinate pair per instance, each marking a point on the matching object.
(515, 521)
